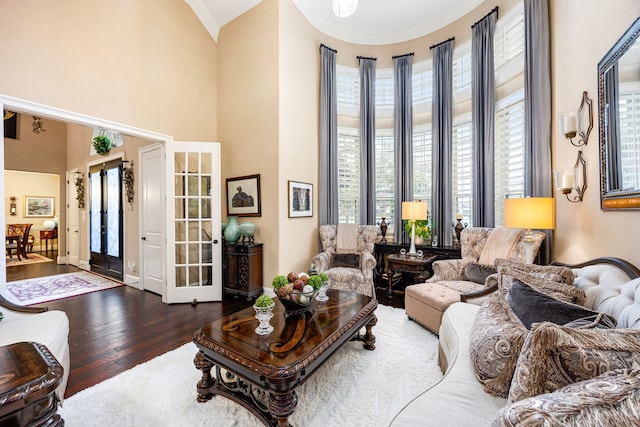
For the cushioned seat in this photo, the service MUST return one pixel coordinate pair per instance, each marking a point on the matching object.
(432, 295)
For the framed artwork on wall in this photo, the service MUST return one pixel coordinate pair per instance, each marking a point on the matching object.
(300, 199)
(38, 207)
(243, 196)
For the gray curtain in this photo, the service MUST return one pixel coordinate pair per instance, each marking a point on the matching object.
(537, 99)
(328, 185)
(367, 140)
(612, 127)
(403, 137)
(483, 120)
(442, 136)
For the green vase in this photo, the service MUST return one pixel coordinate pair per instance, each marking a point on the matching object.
(232, 231)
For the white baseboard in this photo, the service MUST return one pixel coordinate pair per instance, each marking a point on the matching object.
(84, 265)
(133, 281)
(62, 260)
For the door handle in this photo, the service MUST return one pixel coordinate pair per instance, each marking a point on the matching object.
(144, 238)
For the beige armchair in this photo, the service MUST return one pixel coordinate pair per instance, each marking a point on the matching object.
(347, 259)
(469, 279)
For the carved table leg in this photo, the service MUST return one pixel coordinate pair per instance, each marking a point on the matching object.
(206, 382)
(281, 406)
(390, 279)
(369, 338)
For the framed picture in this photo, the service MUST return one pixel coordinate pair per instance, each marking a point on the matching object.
(38, 207)
(243, 195)
(300, 199)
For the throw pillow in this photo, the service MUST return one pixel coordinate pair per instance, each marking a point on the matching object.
(345, 260)
(562, 291)
(478, 273)
(532, 306)
(497, 336)
(554, 356)
(555, 273)
(609, 399)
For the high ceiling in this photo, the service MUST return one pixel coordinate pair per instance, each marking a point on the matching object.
(374, 22)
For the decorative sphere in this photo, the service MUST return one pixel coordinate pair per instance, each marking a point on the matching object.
(49, 224)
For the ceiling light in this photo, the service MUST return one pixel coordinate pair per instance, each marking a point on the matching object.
(344, 8)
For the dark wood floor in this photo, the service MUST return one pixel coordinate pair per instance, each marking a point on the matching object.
(116, 329)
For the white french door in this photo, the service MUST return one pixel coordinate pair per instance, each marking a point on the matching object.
(73, 219)
(193, 217)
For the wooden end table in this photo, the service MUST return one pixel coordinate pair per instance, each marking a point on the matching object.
(420, 267)
(29, 376)
(262, 372)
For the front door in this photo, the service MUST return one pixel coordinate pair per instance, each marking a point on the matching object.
(193, 207)
(105, 217)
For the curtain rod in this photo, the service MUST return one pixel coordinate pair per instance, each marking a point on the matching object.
(366, 57)
(327, 47)
(494, 10)
(402, 56)
(438, 44)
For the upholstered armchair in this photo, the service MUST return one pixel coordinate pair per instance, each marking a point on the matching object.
(347, 259)
(471, 278)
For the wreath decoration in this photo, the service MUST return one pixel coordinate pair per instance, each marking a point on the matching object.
(102, 145)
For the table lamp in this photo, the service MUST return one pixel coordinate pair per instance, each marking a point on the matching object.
(528, 213)
(413, 211)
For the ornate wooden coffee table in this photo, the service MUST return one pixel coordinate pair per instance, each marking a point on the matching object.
(261, 372)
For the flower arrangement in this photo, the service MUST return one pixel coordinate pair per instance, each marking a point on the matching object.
(79, 182)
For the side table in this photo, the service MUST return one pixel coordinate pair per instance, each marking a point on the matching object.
(420, 267)
(47, 235)
(29, 376)
(242, 269)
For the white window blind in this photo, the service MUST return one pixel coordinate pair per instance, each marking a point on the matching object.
(348, 175)
(509, 152)
(462, 197)
(422, 164)
(385, 173)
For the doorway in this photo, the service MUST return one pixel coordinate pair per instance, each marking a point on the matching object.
(105, 219)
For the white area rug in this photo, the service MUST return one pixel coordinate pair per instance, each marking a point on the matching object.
(355, 387)
(50, 288)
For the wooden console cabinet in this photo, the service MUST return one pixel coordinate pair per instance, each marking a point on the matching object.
(242, 269)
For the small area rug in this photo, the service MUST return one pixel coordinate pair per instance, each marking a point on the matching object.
(50, 288)
(32, 259)
(355, 387)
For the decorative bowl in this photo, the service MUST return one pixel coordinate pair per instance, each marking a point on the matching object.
(298, 303)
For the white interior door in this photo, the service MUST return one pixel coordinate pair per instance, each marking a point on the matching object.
(73, 218)
(193, 207)
(152, 223)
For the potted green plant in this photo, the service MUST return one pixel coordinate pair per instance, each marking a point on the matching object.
(423, 228)
(264, 312)
(101, 144)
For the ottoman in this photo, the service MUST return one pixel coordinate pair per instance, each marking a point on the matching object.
(426, 302)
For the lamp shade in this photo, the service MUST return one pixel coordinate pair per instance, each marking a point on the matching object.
(414, 210)
(530, 212)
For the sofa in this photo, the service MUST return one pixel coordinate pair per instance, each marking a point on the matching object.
(607, 397)
(35, 324)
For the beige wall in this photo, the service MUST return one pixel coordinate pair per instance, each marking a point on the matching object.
(144, 63)
(582, 33)
(248, 116)
(42, 152)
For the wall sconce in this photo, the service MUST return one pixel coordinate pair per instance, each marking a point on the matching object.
(573, 179)
(12, 205)
(580, 124)
(37, 125)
